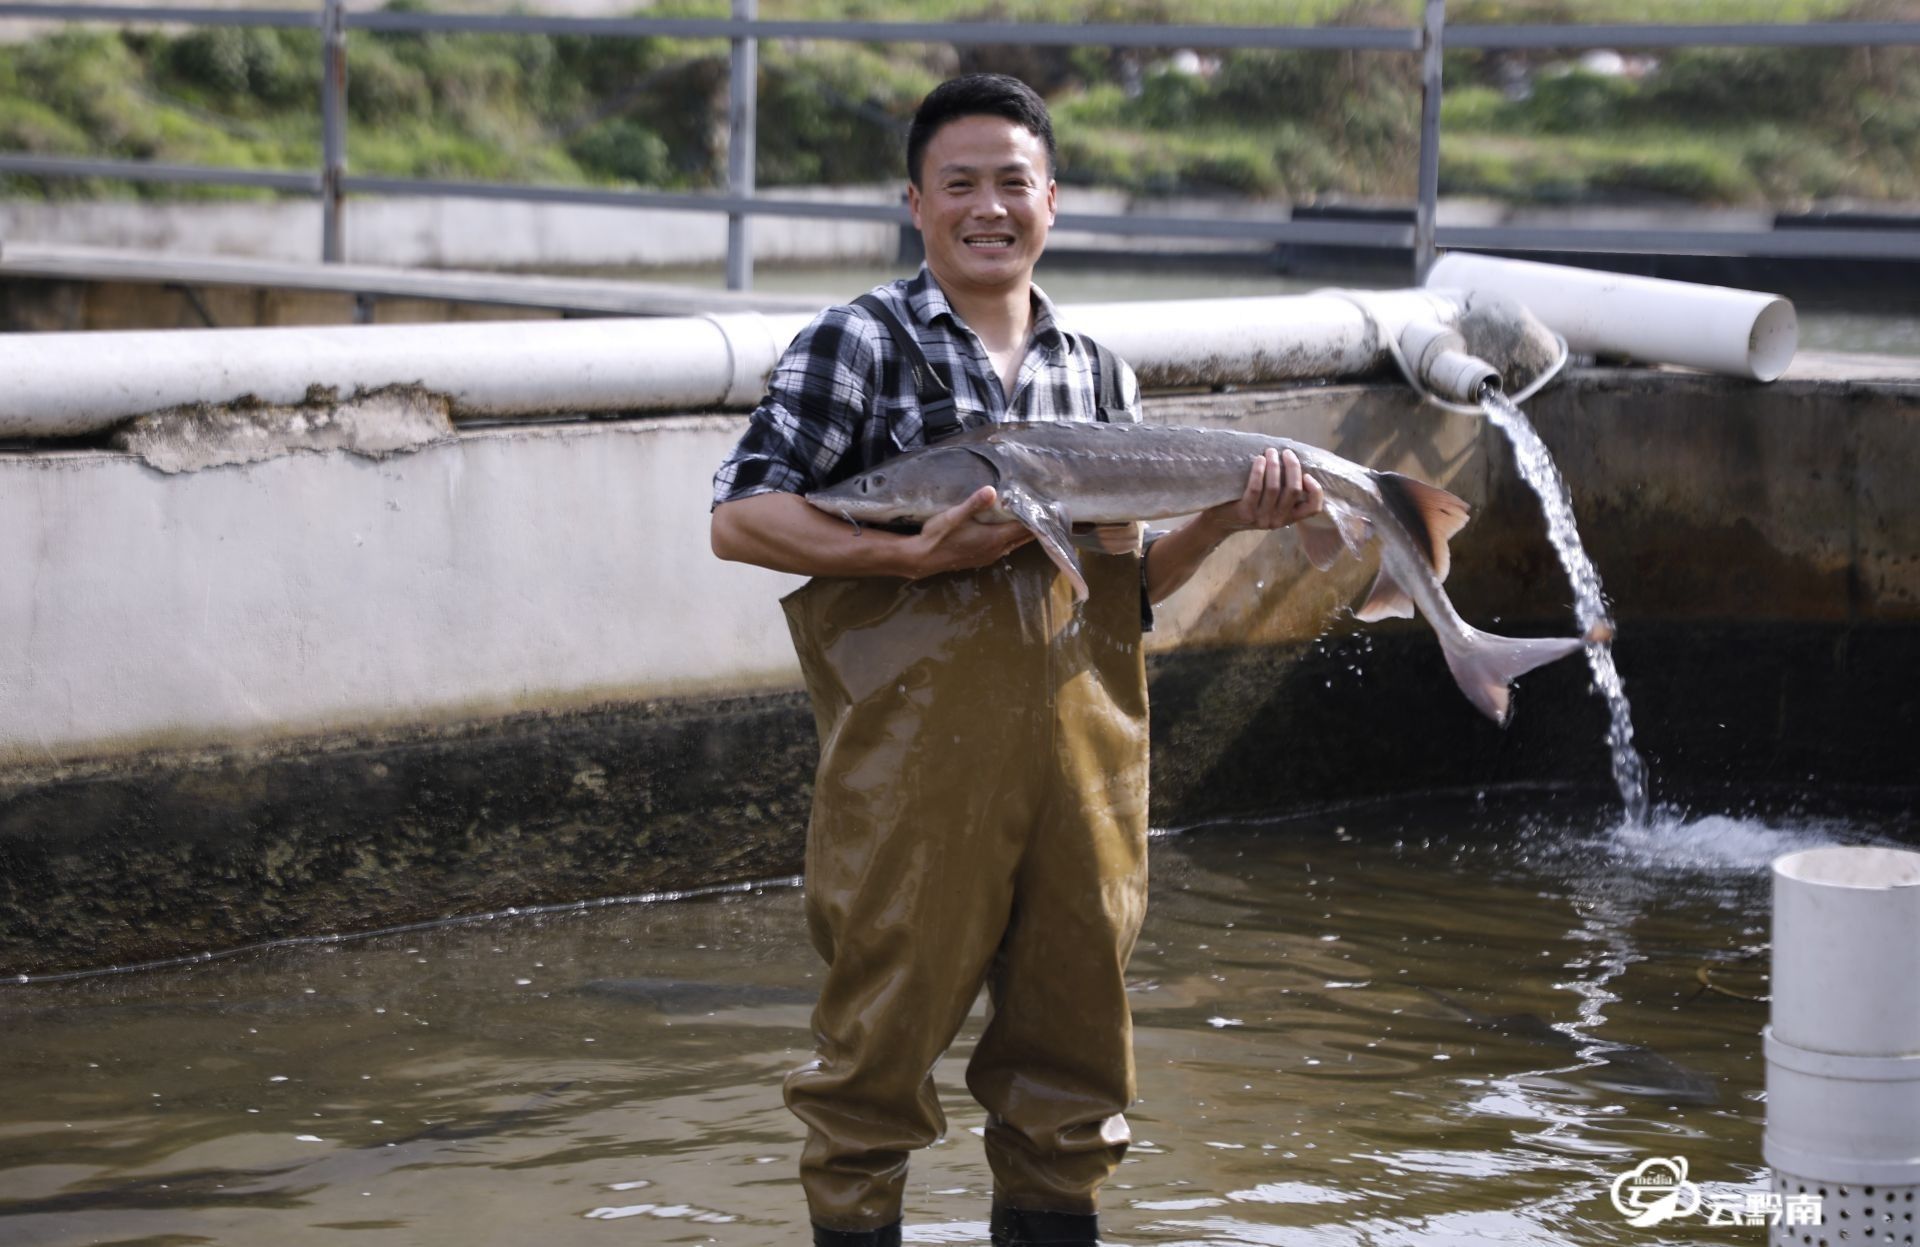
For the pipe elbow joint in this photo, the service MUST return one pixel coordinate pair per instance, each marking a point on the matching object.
(1437, 355)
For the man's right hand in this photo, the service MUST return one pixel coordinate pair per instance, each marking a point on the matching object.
(955, 539)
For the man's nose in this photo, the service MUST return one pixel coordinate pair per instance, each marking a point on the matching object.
(989, 203)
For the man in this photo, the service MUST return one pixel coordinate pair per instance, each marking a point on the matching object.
(980, 807)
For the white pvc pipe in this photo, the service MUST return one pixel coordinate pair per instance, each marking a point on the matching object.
(71, 384)
(1326, 335)
(1843, 1052)
(1741, 333)
(67, 384)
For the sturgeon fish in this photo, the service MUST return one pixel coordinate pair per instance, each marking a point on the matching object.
(1052, 475)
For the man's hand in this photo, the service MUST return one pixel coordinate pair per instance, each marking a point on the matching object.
(954, 540)
(1278, 494)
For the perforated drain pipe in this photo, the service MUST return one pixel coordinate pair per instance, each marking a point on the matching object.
(1843, 1052)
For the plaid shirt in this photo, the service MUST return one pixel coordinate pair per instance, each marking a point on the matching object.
(840, 400)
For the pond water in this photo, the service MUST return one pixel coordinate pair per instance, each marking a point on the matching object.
(1444, 1020)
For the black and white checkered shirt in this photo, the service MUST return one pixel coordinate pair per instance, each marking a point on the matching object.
(840, 400)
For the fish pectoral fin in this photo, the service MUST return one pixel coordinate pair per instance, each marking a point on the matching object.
(1431, 516)
(1321, 541)
(1387, 600)
(1355, 528)
(1047, 521)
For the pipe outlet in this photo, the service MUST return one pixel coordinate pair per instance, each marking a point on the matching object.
(1438, 356)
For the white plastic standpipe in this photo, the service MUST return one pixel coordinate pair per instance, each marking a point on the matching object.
(71, 384)
(1843, 1051)
(1741, 333)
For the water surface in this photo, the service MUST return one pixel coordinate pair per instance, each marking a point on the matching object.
(1434, 1022)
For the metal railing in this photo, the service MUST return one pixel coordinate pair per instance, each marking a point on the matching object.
(740, 202)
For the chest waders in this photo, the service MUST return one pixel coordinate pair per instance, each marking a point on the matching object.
(979, 817)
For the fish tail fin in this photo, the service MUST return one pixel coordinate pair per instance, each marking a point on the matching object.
(1484, 664)
(1430, 515)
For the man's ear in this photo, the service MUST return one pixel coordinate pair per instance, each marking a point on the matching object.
(1053, 200)
(913, 204)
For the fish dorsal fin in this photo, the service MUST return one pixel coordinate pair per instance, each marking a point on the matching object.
(1387, 600)
(1430, 514)
(1049, 523)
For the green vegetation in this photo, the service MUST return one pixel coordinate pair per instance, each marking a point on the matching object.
(1713, 126)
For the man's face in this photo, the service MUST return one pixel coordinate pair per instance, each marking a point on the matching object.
(984, 203)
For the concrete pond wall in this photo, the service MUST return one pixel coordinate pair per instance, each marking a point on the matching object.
(326, 693)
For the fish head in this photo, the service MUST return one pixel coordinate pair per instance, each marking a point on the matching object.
(909, 488)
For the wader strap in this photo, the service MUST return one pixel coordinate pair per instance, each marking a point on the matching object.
(1106, 378)
(937, 416)
(1106, 374)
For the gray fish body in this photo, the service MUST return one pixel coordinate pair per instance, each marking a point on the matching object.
(1105, 473)
(1051, 476)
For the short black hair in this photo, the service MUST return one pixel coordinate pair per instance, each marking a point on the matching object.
(976, 95)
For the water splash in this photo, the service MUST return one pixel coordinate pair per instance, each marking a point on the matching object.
(1589, 600)
(1716, 843)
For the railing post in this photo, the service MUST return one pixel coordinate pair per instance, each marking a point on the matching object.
(1427, 196)
(742, 97)
(333, 130)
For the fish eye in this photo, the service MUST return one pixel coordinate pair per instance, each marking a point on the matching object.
(877, 480)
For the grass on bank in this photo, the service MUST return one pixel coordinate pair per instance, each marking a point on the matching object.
(1706, 126)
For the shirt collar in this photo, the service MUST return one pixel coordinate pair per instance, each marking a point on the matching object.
(1046, 326)
(929, 304)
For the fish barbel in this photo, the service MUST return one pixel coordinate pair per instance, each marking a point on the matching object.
(1050, 476)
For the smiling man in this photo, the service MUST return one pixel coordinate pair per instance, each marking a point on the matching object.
(980, 809)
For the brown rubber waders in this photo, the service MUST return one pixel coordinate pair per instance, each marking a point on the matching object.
(979, 816)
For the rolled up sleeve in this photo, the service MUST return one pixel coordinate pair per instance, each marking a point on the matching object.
(817, 397)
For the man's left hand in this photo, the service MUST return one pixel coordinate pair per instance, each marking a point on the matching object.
(1278, 494)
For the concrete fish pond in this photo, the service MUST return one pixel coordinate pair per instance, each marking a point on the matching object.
(325, 692)
(390, 817)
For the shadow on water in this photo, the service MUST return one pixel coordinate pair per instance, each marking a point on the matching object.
(1444, 1019)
